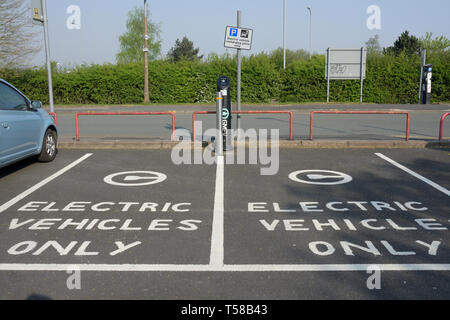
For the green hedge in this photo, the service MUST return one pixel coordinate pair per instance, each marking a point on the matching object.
(390, 79)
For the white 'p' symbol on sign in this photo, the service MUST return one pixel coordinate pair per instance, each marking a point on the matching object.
(374, 20)
(74, 20)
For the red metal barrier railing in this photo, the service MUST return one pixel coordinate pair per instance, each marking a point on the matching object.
(119, 114)
(441, 127)
(246, 112)
(54, 117)
(193, 120)
(358, 112)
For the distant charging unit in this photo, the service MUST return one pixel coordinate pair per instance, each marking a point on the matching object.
(426, 83)
(223, 95)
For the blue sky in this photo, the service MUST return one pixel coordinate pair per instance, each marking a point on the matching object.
(335, 23)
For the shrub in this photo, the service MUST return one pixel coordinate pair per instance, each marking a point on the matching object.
(389, 79)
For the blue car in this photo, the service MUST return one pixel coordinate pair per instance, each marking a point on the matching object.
(26, 130)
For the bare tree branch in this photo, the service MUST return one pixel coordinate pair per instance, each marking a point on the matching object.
(19, 41)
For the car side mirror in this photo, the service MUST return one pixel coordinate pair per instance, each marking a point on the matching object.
(36, 104)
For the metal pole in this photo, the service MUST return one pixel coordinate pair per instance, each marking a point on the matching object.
(328, 75)
(361, 74)
(47, 52)
(238, 91)
(219, 137)
(423, 58)
(361, 93)
(284, 34)
(310, 31)
(146, 93)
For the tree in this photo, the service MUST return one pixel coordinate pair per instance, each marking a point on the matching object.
(276, 56)
(436, 45)
(373, 45)
(132, 41)
(184, 50)
(18, 41)
(405, 43)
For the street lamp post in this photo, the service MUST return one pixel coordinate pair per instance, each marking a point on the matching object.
(47, 53)
(284, 34)
(146, 89)
(310, 31)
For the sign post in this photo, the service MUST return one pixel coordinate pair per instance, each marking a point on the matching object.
(327, 73)
(345, 64)
(238, 77)
(362, 71)
(240, 39)
(423, 58)
(39, 12)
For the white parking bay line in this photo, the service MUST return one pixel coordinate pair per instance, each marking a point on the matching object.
(217, 249)
(418, 176)
(223, 268)
(39, 185)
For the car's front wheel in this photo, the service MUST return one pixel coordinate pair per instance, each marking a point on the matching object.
(48, 152)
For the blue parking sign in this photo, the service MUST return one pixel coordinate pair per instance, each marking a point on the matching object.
(233, 32)
(238, 38)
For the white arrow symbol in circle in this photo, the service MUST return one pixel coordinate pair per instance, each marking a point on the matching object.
(315, 177)
(136, 178)
(149, 177)
(320, 176)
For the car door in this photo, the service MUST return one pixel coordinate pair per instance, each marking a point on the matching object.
(19, 126)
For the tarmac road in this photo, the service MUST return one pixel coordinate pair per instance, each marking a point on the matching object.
(226, 231)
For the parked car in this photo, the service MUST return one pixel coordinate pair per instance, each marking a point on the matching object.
(26, 130)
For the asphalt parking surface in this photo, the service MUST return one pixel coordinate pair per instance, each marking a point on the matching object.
(276, 238)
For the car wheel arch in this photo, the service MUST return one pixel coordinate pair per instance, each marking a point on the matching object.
(50, 127)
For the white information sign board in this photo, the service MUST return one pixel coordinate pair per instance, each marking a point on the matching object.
(345, 64)
(238, 38)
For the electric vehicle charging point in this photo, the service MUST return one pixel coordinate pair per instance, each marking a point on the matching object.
(218, 138)
(223, 87)
(426, 83)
